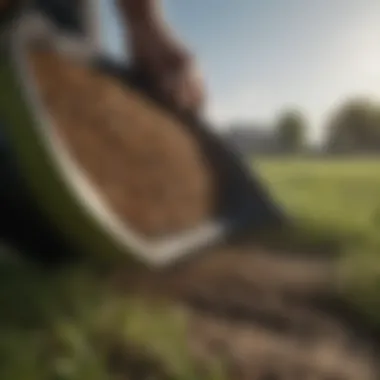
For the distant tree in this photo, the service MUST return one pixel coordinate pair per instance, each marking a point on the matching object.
(354, 127)
(376, 118)
(291, 130)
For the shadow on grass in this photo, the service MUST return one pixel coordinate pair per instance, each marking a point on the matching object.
(300, 237)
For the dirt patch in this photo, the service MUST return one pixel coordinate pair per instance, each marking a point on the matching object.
(147, 167)
(267, 315)
(279, 318)
(240, 274)
(255, 352)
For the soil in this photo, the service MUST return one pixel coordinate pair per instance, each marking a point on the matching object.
(266, 315)
(146, 166)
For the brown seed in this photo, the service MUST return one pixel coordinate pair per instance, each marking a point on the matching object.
(142, 161)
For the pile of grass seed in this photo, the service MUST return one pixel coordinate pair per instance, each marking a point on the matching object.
(149, 170)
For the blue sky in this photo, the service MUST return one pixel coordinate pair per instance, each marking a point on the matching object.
(259, 56)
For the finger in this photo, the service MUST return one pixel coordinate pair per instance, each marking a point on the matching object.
(185, 89)
(197, 94)
(194, 95)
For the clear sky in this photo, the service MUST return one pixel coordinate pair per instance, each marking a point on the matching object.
(259, 56)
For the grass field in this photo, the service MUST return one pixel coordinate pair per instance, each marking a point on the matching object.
(339, 199)
(50, 326)
(341, 194)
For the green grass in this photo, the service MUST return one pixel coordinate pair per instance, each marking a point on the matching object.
(345, 194)
(339, 199)
(64, 325)
(52, 326)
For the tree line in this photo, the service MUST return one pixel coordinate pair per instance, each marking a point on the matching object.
(353, 127)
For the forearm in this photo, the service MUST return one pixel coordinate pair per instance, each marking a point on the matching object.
(141, 11)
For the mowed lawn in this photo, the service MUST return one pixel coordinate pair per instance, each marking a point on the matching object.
(338, 198)
(344, 193)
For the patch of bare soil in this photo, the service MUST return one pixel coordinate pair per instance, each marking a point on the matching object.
(322, 350)
(267, 315)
